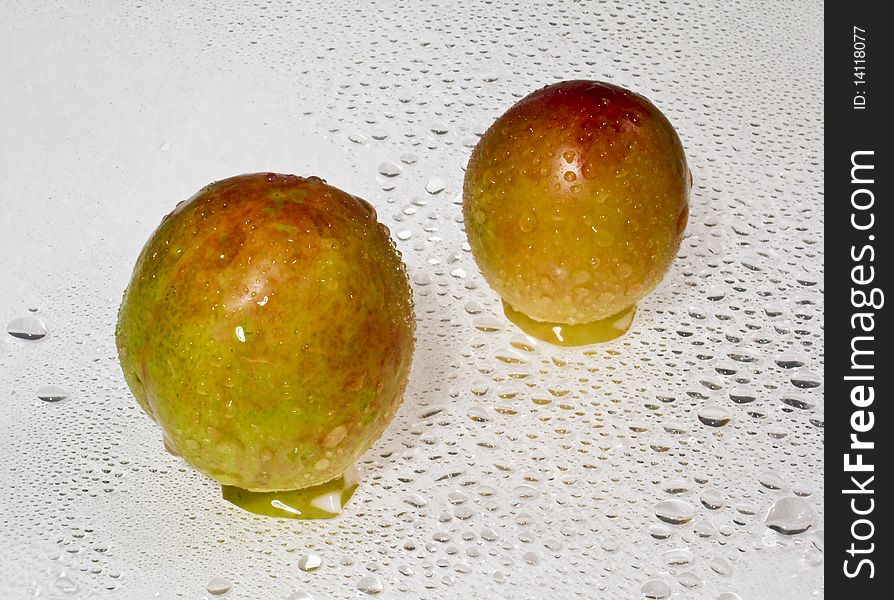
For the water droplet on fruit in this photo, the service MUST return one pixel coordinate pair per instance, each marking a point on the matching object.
(527, 222)
(27, 328)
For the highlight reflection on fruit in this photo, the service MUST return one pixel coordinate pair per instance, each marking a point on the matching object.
(268, 329)
(575, 201)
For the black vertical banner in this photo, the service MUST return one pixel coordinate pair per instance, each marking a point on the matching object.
(859, 373)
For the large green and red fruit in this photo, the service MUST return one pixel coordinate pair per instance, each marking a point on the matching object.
(575, 201)
(268, 329)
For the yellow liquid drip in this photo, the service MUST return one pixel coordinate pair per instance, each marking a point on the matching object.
(324, 501)
(582, 334)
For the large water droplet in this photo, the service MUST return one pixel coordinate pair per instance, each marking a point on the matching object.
(389, 169)
(66, 586)
(435, 185)
(370, 584)
(52, 393)
(790, 515)
(771, 480)
(675, 512)
(714, 416)
(218, 586)
(27, 328)
(310, 562)
(655, 590)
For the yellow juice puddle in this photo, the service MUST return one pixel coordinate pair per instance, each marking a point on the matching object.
(324, 501)
(582, 334)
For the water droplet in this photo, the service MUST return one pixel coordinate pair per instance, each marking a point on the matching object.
(370, 584)
(52, 393)
(679, 556)
(389, 169)
(771, 480)
(789, 360)
(655, 590)
(689, 579)
(720, 566)
(712, 499)
(218, 586)
(741, 395)
(473, 308)
(299, 596)
(478, 414)
(27, 328)
(435, 185)
(463, 513)
(310, 562)
(488, 324)
(714, 416)
(790, 515)
(660, 532)
(66, 586)
(806, 379)
(703, 529)
(527, 222)
(675, 512)
(797, 401)
(416, 500)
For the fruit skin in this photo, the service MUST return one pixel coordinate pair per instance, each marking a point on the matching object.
(575, 201)
(326, 314)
